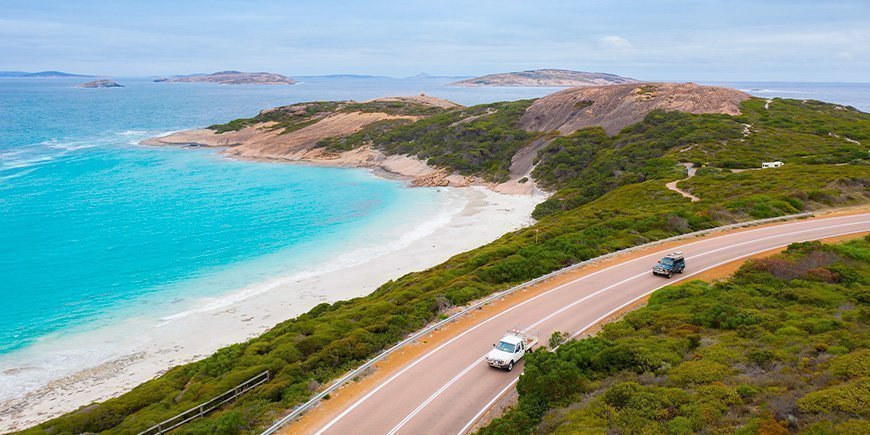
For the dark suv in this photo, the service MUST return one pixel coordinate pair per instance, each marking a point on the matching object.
(670, 264)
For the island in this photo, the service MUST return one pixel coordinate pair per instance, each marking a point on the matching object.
(40, 74)
(231, 78)
(546, 78)
(100, 84)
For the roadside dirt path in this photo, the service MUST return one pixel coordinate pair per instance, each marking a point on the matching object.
(673, 184)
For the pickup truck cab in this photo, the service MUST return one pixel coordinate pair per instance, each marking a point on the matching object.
(510, 349)
(670, 264)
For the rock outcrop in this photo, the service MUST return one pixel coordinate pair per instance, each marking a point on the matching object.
(232, 78)
(100, 84)
(546, 78)
(618, 106)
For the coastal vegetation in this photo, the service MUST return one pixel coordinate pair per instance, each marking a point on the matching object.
(584, 165)
(780, 347)
(478, 140)
(621, 202)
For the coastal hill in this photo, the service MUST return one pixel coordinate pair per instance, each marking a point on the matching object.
(546, 78)
(433, 142)
(231, 78)
(41, 74)
(100, 84)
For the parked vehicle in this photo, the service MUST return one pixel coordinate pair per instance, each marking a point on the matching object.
(510, 349)
(670, 264)
(766, 165)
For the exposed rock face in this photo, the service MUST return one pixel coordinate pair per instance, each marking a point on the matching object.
(232, 78)
(618, 106)
(100, 84)
(546, 77)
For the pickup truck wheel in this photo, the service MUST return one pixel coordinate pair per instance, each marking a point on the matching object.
(510, 366)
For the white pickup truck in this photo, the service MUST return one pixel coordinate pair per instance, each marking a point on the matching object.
(510, 349)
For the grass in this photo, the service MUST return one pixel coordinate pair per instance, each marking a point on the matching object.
(780, 347)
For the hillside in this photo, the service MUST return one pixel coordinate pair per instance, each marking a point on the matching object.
(578, 143)
(582, 166)
(616, 198)
(231, 78)
(778, 348)
(546, 78)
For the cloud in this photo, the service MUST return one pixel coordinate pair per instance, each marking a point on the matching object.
(615, 42)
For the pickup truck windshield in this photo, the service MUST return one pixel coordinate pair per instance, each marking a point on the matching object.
(505, 347)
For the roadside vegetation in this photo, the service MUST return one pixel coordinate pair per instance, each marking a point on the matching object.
(780, 347)
(618, 211)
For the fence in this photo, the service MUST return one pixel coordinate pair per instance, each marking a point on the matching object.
(298, 410)
(204, 408)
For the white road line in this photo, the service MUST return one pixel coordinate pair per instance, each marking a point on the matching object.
(433, 396)
(617, 309)
(506, 311)
(488, 405)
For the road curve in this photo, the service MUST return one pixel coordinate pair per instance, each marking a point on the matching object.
(446, 390)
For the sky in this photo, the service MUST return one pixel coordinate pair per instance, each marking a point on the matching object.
(680, 40)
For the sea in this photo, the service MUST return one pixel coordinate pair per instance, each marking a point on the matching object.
(95, 227)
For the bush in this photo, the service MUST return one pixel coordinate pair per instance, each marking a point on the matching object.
(851, 398)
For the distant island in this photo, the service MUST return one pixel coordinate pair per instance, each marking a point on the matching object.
(40, 74)
(100, 84)
(547, 78)
(231, 78)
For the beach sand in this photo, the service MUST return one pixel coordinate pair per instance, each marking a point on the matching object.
(139, 349)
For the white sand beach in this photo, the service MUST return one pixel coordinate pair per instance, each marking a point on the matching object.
(138, 349)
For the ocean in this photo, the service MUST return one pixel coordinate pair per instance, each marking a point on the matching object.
(95, 228)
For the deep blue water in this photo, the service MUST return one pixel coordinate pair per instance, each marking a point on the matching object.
(93, 225)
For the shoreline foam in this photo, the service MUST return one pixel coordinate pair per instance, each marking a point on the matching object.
(139, 349)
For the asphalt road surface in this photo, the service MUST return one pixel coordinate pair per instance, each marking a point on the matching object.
(446, 390)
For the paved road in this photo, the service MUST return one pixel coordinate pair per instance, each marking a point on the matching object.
(446, 390)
